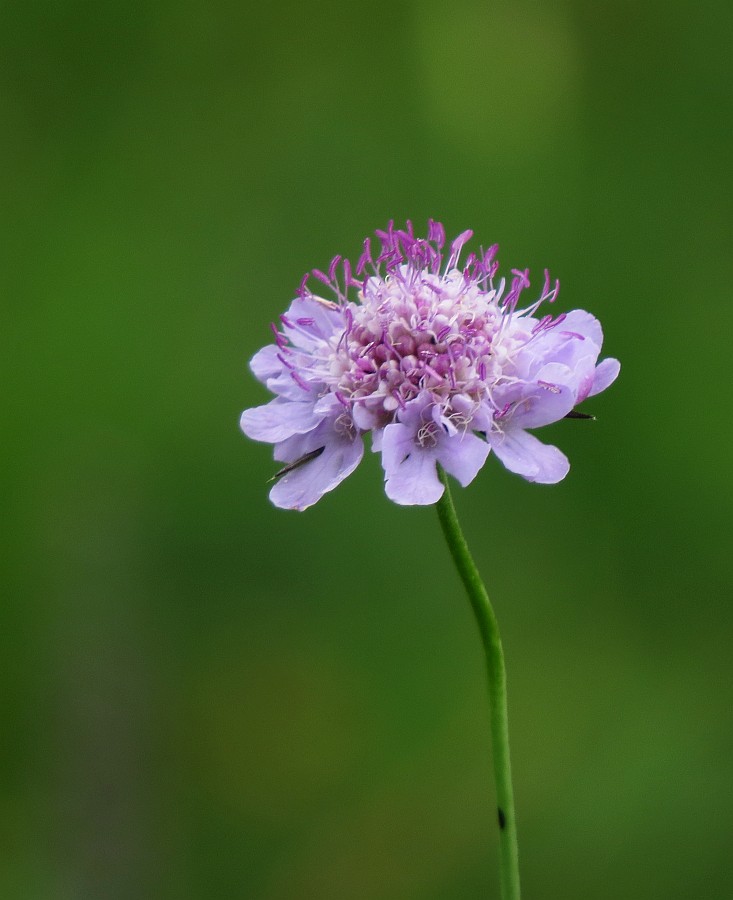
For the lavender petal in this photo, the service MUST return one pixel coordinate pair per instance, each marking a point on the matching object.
(462, 456)
(522, 453)
(410, 472)
(605, 374)
(278, 420)
(304, 486)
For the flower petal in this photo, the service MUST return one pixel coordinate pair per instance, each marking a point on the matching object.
(279, 419)
(265, 363)
(535, 404)
(577, 337)
(306, 484)
(606, 373)
(396, 445)
(411, 478)
(377, 436)
(581, 322)
(462, 456)
(268, 367)
(524, 454)
(416, 482)
(329, 406)
(309, 322)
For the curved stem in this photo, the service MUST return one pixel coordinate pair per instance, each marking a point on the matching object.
(489, 629)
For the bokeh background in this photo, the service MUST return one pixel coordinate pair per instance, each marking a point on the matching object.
(204, 697)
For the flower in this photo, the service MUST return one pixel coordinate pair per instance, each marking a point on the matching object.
(436, 361)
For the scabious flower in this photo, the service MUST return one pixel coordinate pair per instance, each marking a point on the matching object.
(436, 361)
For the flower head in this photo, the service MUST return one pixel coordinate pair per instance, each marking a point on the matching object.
(436, 360)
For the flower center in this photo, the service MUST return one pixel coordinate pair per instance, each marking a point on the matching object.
(417, 331)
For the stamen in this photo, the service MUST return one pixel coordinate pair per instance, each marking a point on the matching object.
(366, 257)
(344, 424)
(426, 435)
(457, 246)
(574, 334)
(303, 291)
(332, 268)
(436, 233)
(299, 381)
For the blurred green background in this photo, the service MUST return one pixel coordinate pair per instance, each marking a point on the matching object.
(204, 697)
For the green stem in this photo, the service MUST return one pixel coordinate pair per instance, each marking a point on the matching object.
(489, 628)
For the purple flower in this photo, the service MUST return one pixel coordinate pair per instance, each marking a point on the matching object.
(437, 362)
